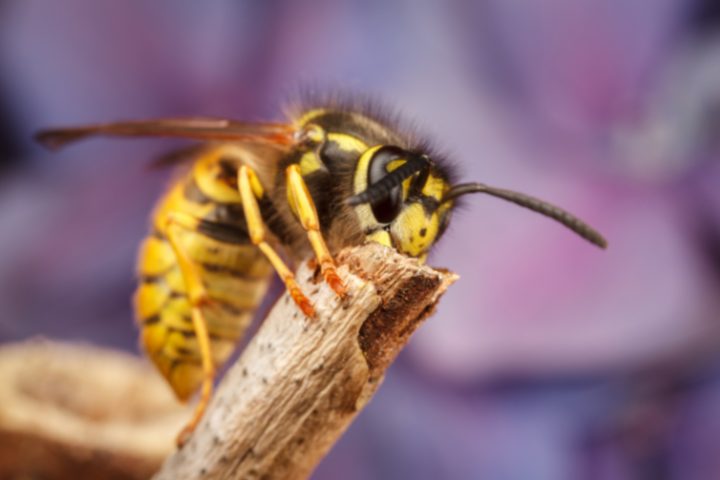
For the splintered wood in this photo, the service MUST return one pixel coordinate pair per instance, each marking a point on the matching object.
(300, 382)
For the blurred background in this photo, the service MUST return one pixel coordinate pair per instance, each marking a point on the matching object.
(549, 359)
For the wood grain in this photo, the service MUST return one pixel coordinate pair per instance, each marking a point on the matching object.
(300, 382)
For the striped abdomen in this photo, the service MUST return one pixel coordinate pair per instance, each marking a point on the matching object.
(233, 272)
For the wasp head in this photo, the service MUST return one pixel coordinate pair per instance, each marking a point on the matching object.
(399, 199)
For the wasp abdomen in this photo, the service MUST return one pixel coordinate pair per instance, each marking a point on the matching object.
(233, 272)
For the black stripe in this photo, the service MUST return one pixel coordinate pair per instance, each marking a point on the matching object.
(229, 271)
(151, 320)
(228, 171)
(160, 280)
(186, 352)
(175, 362)
(275, 221)
(232, 309)
(217, 227)
(153, 279)
(429, 204)
(190, 334)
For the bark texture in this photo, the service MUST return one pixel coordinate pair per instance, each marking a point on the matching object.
(300, 382)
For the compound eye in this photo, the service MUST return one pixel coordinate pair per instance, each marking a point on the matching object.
(388, 207)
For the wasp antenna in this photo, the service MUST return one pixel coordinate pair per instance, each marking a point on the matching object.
(534, 204)
(382, 188)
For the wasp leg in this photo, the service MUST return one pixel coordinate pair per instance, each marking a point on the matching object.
(250, 191)
(304, 208)
(197, 297)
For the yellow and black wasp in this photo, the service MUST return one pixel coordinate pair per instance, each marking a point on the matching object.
(252, 195)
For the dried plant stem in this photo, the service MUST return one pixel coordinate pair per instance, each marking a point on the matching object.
(300, 382)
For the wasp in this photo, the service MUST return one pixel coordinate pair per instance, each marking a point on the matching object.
(249, 196)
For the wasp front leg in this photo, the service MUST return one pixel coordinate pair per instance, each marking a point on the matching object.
(303, 206)
(250, 191)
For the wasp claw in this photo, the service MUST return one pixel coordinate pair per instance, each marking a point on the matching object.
(184, 436)
(332, 279)
(306, 307)
(301, 300)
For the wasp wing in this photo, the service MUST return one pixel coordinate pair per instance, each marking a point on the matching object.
(207, 129)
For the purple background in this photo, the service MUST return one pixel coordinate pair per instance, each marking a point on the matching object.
(549, 359)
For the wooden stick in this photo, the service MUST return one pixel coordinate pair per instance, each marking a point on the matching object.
(300, 382)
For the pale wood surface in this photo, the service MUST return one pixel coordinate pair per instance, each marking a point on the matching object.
(300, 382)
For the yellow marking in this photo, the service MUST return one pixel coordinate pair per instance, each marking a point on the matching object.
(381, 236)
(395, 164)
(237, 293)
(310, 160)
(256, 230)
(435, 187)
(407, 230)
(156, 256)
(153, 337)
(348, 143)
(309, 163)
(176, 281)
(207, 168)
(310, 115)
(360, 183)
(183, 375)
(313, 134)
(192, 280)
(150, 299)
(242, 258)
(165, 364)
(176, 315)
(175, 201)
(222, 325)
(302, 205)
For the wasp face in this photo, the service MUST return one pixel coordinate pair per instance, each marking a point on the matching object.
(398, 198)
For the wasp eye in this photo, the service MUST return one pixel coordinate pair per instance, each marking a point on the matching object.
(388, 205)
